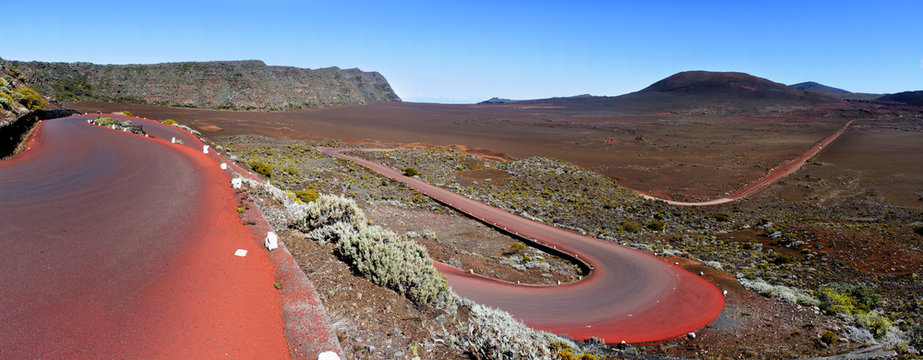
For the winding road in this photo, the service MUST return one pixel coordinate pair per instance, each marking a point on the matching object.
(121, 246)
(627, 296)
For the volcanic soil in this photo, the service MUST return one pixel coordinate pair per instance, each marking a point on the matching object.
(689, 155)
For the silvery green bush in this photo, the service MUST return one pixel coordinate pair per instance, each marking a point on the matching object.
(393, 261)
(331, 209)
(380, 255)
(781, 292)
(495, 334)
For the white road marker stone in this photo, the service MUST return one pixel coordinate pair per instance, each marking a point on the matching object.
(328, 355)
(173, 140)
(272, 241)
(240, 252)
(236, 183)
(224, 166)
(205, 149)
(724, 292)
(691, 335)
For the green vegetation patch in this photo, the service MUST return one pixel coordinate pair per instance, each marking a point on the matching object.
(261, 168)
(29, 98)
(858, 302)
(6, 100)
(307, 195)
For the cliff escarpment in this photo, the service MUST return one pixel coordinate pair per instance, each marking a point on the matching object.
(233, 85)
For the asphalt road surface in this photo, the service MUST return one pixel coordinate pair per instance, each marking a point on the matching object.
(120, 246)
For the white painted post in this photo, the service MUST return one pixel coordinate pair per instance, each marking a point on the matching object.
(173, 140)
(236, 183)
(205, 149)
(272, 241)
(224, 166)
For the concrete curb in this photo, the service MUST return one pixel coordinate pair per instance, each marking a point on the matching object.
(307, 327)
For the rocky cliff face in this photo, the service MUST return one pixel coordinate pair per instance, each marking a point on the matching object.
(238, 85)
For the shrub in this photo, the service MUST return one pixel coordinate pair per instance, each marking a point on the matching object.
(839, 298)
(380, 255)
(495, 334)
(654, 225)
(126, 113)
(332, 233)
(106, 121)
(14, 70)
(261, 168)
(291, 170)
(781, 259)
(630, 226)
(858, 302)
(170, 122)
(721, 217)
(516, 248)
(330, 209)
(306, 195)
(29, 98)
(918, 229)
(390, 260)
(411, 172)
(828, 337)
(564, 352)
(781, 292)
(6, 100)
(876, 323)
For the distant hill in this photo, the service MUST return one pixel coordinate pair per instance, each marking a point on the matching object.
(496, 100)
(813, 86)
(839, 93)
(912, 98)
(218, 85)
(698, 90)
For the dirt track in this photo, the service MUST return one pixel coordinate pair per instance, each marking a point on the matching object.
(774, 175)
(119, 246)
(628, 296)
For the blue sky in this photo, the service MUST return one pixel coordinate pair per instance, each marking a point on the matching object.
(469, 51)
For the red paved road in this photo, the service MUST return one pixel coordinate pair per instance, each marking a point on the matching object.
(630, 295)
(774, 175)
(116, 246)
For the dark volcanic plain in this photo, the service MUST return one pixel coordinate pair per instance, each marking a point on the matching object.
(696, 154)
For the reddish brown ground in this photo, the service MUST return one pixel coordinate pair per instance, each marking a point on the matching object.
(879, 159)
(678, 156)
(773, 329)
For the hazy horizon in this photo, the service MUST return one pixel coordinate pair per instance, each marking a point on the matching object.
(464, 53)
